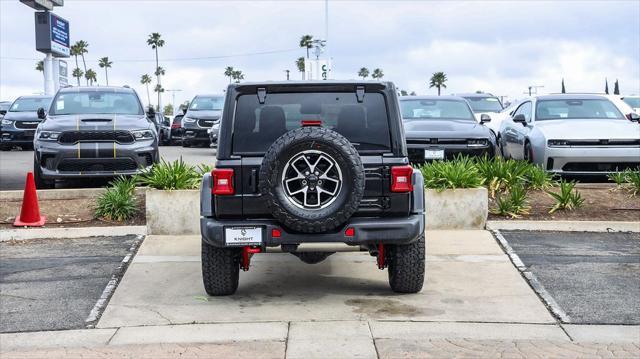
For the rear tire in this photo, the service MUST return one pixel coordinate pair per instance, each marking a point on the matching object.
(220, 269)
(40, 182)
(407, 266)
(528, 152)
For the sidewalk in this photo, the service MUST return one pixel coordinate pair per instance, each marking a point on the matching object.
(474, 304)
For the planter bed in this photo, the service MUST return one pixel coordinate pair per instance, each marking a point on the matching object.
(602, 203)
(70, 212)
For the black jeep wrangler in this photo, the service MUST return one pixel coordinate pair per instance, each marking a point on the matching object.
(312, 168)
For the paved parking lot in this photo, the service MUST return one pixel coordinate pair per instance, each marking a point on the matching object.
(53, 284)
(15, 164)
(593, 277)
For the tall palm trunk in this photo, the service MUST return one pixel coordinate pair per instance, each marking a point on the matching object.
(77, 78)
(158, 76)
(438, 90)
(148, 96)
(106, 75)
(84, 63)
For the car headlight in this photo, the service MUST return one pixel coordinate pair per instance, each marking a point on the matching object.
(49, 135)
(7, 122)
(477, 142)
(143, 135)
(557, 143)
(188, 120)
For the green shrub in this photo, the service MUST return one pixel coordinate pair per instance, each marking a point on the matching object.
(172, 176)
(567, 198)
(500, 175)
(118, 202)
(537, 178)
(515, 204)
(619, 178)
(633, 180)
(462, 172)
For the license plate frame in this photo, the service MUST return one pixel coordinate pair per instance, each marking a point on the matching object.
(434, 154)
(234, 235)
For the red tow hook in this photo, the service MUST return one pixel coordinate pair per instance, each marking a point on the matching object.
(247, 252)
(381, 255)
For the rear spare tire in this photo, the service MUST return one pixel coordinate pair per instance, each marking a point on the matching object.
(312, 179)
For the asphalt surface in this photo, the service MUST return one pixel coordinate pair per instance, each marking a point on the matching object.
(594, 277)
(15, 164)
(53, 284)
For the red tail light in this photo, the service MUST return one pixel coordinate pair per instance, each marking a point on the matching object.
(401, 179)
(222, 181)
(311, 123)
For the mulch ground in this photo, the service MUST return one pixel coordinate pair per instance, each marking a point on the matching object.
(68, 213)
(603, 202)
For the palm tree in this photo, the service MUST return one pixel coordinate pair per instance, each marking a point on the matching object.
(364, 73)
(105, 64)
(146, 80)
(377, 74)
(438, 80)
(78, 73)
(90, 75)
(40, 66)
(75, 52)
(300, 65)
(563, 90)
(237, 75)
(413, 93)
(228, 72)
(616, 88)
(306, 41)
(159, 90)
(82, 47)
(155, 41)
(159, 71)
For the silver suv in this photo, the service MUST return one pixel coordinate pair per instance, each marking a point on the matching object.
(93, 132)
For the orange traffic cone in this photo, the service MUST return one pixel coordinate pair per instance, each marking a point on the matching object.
(30, 213)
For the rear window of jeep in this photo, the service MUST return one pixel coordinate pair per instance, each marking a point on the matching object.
(365, 124)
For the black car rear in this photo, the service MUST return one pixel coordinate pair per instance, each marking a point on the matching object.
(312, 166)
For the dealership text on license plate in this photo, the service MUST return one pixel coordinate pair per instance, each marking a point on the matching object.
(434, 154)
(235, 236)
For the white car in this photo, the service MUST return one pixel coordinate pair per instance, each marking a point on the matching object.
(485, 104)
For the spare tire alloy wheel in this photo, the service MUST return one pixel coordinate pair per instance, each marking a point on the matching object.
(312, 179)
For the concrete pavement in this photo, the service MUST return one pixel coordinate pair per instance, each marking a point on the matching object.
(469, 278)
(475, 304)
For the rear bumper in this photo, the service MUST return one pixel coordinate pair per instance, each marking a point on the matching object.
(401, 230)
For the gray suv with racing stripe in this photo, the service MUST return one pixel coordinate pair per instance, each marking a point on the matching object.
(312, 168)
(93, 132)
(204, 112)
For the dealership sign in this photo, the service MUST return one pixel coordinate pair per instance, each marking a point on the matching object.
(52, 34)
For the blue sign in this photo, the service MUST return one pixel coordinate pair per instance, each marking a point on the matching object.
(59, 35)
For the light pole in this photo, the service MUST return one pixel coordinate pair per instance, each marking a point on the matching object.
(173, 99)
(287, 71)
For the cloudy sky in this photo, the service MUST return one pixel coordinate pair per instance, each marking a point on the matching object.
(496, 46)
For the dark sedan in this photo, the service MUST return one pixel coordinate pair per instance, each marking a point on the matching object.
(203, 113)
(20, 122)
(441, 127)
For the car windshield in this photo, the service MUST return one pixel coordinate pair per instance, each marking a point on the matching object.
(632, 101)
(96, 102)
(484, 104)
(207, 103)
(365, 124)
(30, 104)
(576, 109)
(435, 109)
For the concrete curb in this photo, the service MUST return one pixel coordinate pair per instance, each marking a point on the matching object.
(22, 234)
(58, 194)
(566, 226)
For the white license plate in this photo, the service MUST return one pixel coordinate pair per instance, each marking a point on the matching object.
(434, 154)
(236, 236)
